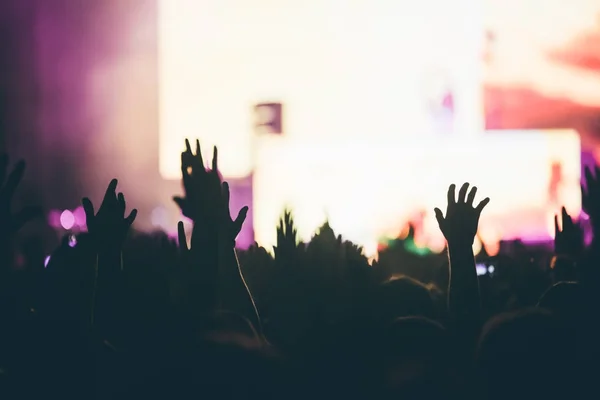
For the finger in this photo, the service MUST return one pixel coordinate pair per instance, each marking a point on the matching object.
(188, 148)
(584, 192)
(482, 205)
(121, 202)
(452, 194)
(239, 220)
(439, 216)
(471, 196)
(226, 198)
(181, 236)
(13, 180)
(129, 220)
(109, 195)
(567, 221)
(556, 228)
(589, 178)
(88, 207)
(214, 160)
(462, 193)
(180, 201)
(3, 167)
(199, 155)
(26, 215)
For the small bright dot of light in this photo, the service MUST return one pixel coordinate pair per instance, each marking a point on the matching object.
(46, 261)
(72, 241)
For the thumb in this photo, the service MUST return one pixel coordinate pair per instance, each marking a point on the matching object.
(180, 201)
(241, 217)
(439, 216)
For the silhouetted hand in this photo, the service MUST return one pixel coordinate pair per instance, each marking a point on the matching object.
(459, 225)
(10, 223)
(569, 240)
(191, 164)
(109, 226)
(590, 196)
(287, 235)
(206, 199)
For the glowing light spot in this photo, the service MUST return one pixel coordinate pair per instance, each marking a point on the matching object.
(72, 241)
(491, 269)
(46, 262)
(54, 218)
(67, 219)
(79, 215)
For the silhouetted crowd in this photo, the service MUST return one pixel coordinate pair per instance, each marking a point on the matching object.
(118, 314)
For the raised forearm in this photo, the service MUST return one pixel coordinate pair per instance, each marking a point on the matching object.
(234, 292)
(463, 291)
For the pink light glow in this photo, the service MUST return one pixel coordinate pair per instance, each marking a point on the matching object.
(67, 219)
(79, 215)
(54, 218)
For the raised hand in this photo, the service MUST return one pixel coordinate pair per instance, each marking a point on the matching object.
(206, 199)
(459, 225)
(287, 236)
(192, 166)
(109, 226)
(569, 240)
(10, 223)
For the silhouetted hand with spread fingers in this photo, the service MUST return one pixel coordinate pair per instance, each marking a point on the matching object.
(460, 223)
(108, 228)
(11, 223)
(206, 199)
(568, 241)
(459, 227)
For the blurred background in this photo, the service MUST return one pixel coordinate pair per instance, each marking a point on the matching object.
(300, 97)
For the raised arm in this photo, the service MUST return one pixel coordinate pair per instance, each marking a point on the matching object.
(108, 229)
(459, 227)
(206, 202)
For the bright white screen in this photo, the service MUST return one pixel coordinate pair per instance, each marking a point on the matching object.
(368, 189)
(342, 69)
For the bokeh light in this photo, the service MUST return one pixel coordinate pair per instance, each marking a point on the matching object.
(54, 218)
(79, 214)
(67, 220)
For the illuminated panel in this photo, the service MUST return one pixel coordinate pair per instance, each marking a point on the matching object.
(370, 189)
(342, 69)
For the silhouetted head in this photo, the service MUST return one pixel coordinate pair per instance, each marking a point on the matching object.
(413, 357)
(402, 297)
(564, 299)
(214, 369)
(524, 354)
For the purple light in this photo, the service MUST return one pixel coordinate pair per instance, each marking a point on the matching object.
(72, 241)
(46, 262)
(67, 220)
(54, 218)
(79, 214)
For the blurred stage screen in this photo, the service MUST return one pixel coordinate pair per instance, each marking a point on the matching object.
(341, 69)
(371, 189)
(384, 93)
